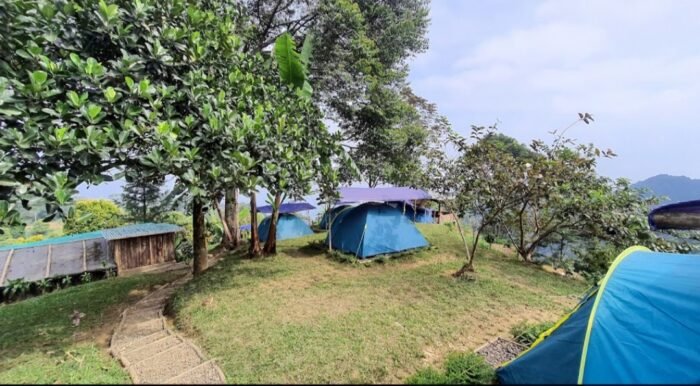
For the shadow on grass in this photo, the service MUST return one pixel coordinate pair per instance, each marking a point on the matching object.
(42, 325)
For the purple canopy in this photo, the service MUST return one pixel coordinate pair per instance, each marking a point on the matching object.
(289, 207)
(681, 215)
(245, 228)
(382, 194)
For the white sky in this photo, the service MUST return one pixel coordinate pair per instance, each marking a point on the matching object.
(533, 65)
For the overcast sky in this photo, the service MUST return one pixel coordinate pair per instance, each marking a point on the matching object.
(533, 65)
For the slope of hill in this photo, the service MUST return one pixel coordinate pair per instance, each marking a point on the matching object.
(675, 188)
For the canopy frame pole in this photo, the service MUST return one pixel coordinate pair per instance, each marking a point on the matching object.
(84, 256)
(48, 263)
(6, 267)
(359, 245)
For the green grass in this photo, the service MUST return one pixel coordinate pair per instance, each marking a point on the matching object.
(39, 344)
(302, 317)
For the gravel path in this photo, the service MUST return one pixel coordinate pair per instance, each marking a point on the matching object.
(499, 351)
(153, 353)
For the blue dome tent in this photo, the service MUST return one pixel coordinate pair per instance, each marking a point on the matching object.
(640, 325)
(334, 213)
(414, 213)
(289, 226)
(372, 229)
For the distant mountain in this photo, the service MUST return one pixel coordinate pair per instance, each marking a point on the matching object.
(675, 188)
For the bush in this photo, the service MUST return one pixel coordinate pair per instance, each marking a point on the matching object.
(93, 215)
(526, 333)
(460, 368)
(184, 251)
(427, 376)
(468, 368)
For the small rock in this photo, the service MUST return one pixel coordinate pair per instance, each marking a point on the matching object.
(75, 317)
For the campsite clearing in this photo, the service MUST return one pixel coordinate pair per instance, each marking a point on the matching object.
(301, 317)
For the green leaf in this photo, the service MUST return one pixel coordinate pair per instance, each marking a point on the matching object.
(38, 78)
(93, 111)
(10, 112)
(291, 68)
(110, 94)
(76, 60)
(74, 99)
(108, 12)
(306, 49)
(143, 86)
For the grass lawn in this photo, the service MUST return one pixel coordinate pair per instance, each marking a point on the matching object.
(301, 317)
(38, 343)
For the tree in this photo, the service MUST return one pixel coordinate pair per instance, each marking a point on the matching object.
(621, 221)
(300, 146)
(561, 193)
(93, 215)
(90, 86)
(141, 198)
(480, 182)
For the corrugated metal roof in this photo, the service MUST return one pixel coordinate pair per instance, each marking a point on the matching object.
(124, 232)
(139, 230)
(56, 240)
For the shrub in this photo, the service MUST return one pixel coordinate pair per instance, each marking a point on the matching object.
(93, 215)
(526, 333)
(427, 376)
(184, 251)
(460, 368)
(468, 368)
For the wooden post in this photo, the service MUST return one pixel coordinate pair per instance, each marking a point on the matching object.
(7, 266)
(84, 257)
(48, 264)
(116, 252)
(439, 212)
(150, 250)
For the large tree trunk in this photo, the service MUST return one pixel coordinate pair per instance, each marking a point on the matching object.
(271, 242)
(254, 250)
(199, 236)
(231, 215)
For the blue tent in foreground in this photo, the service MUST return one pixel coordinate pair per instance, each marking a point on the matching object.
(640, 325)
(372, 229)
(289, 226)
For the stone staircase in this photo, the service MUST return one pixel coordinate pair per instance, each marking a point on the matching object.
(153, 353)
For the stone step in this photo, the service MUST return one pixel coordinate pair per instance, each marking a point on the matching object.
(158, 300)
(167, 364)
(142, 315)
(139, 330)
(149, 350)
(205, 373)
(123, 344)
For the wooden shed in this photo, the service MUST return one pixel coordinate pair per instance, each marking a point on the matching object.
(140, 245)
